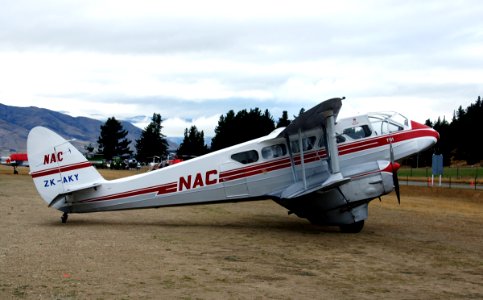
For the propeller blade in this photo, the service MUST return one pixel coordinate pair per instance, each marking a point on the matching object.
(391, 153)
(395, 179)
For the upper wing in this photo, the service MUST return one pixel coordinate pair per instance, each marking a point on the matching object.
(321, 115)
(314, 117)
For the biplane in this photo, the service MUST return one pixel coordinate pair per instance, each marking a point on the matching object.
(320, 168)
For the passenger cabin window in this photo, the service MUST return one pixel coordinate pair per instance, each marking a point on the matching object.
(274, 151)
(358, 132)
(308, 143)
(340, 138)
(246, 157)
(322, 141)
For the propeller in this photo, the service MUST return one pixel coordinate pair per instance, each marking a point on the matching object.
(395, 179)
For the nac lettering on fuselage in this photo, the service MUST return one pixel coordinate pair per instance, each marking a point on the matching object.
(188, 183)
(53, 157)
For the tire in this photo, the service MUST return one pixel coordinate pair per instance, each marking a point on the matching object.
(352, 228)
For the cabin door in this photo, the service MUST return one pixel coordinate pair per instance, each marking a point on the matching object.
(236, 188)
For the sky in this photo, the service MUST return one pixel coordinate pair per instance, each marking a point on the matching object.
(192, 61)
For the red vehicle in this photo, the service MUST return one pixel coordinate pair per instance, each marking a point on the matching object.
(15, 160)
(174, 160)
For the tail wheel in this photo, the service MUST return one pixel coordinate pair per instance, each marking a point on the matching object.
(352, 228)
(64, 218)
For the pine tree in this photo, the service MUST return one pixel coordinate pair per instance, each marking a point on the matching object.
(152, 142)
(471, 125)
(301, 112)
(193, 143)
(244, 126)
(283, 121)
(457, 139)
(222, 136)
(112, 140)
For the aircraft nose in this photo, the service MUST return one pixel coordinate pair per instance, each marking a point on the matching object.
(431, 132)
(429, 136)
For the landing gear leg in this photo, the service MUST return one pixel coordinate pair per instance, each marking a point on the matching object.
(64, 217)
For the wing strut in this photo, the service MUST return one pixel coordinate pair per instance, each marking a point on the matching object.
(302, 164)
(336, 178)
(323, 114)
(290, 154)
(332, 144)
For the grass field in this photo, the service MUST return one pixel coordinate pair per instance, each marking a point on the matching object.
(461, 174)
(429, 247)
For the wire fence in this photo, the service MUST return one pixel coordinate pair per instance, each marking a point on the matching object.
(452, 177)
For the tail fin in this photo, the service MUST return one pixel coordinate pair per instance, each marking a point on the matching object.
(56, 166)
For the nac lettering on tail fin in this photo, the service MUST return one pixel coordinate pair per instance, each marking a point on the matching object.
(56, 166)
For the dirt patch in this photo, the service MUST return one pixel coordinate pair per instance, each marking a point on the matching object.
(428, 247)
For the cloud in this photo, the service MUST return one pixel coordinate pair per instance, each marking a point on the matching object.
(173, 126)
(191, 60)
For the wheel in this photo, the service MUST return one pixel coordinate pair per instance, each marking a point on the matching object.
(352, 228)
(316, 221)
(64, 218)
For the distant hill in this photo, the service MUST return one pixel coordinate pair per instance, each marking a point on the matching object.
(16, 122)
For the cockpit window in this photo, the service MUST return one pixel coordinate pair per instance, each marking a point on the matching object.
(358, 132)
(246, 157)
(400, 119)
(384, 123)
(388, 127)
(274, 151)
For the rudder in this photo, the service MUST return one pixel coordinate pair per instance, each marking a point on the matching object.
(56, 166)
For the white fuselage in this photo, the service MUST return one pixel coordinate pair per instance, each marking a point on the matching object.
(258, 169)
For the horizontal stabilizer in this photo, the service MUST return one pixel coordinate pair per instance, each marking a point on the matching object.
(82, 187)
(75, 189)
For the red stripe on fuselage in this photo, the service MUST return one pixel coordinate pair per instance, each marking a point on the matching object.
(271, 165)
(255, 169)
(61, 169)
(160, 189)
